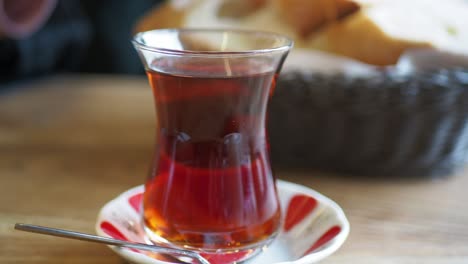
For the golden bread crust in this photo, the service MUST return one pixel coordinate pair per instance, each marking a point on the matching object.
(343, 27)
(162, 16)
(307, 16)
(358, 37)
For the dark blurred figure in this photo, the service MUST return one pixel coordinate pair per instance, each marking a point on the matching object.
(74, 36)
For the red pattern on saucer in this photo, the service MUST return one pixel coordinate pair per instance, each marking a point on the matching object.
(299, 207)
(113, 232)
(313, 227)
(329, 235)
(135, 201)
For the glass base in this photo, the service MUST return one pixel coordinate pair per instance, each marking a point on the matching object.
(216, 256)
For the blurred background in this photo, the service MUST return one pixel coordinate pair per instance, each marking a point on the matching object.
(371, 87)
(44, 37)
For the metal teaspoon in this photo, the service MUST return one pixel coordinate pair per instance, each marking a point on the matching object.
(172, 252)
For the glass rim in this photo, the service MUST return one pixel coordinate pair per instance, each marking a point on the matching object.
(288, 43)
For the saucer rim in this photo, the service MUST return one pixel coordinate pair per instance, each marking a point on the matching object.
(313, 257)
(337, 241)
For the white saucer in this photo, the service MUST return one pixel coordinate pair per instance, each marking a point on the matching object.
(313, 227)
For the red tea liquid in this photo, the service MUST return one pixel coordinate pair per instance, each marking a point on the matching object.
(211, 184)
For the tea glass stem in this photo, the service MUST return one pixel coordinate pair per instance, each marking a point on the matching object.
(110, 241)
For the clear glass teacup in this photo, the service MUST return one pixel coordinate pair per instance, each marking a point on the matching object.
(211, 188)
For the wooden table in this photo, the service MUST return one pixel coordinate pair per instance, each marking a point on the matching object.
(68, 144)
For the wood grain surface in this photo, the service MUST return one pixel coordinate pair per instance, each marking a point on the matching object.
(68, 144)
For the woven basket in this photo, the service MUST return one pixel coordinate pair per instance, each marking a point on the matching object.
(389, 124)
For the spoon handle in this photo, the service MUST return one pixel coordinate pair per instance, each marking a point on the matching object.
(108, 241)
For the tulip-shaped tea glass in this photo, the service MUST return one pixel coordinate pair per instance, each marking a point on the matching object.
(211, 187)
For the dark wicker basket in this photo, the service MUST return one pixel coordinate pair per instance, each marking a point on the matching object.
(389, 124)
